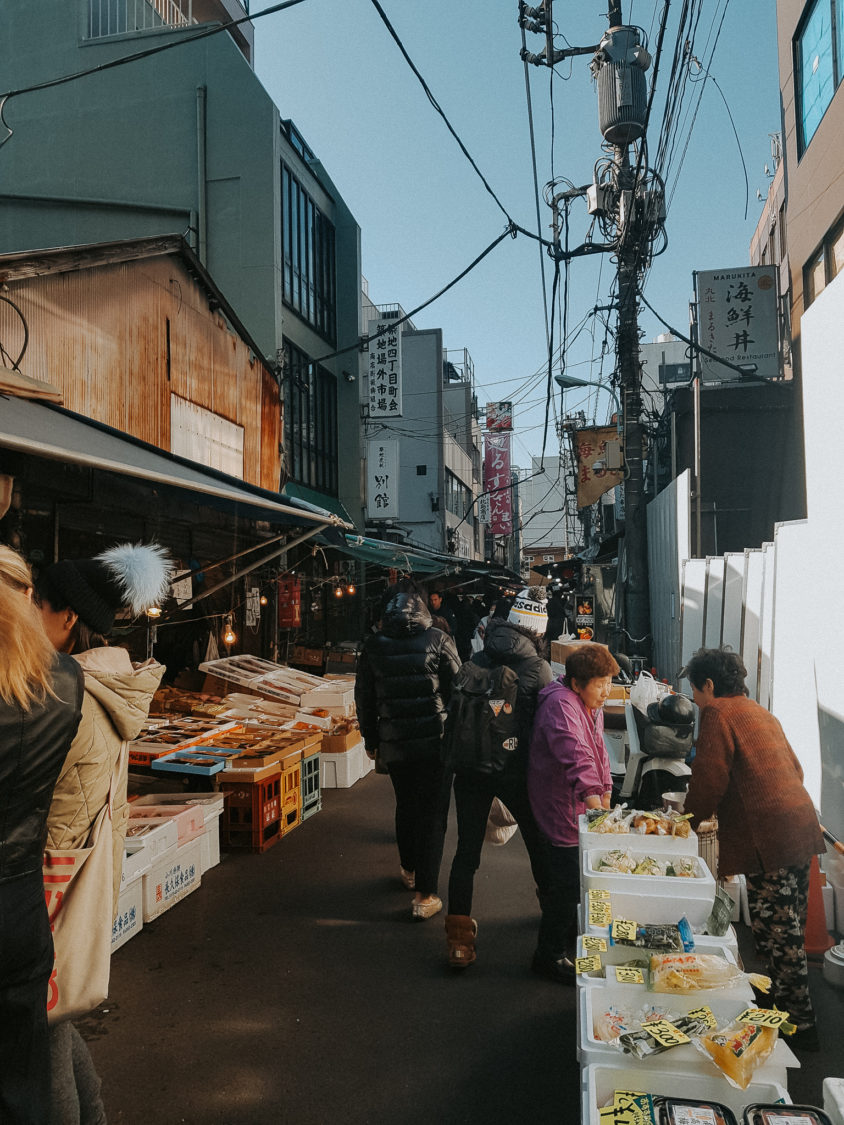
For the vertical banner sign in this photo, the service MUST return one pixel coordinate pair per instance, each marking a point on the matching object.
(384, 370)
(382, 479)
(497, 482)
(593, 477)
(737, 319)
(499, 415)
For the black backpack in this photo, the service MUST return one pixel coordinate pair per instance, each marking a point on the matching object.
(481, 731)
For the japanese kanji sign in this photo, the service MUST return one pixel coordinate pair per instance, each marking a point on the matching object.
(737, 319)
(497, 482)
(499, 415)
(593, 478)
(384, 372)
(382, 479)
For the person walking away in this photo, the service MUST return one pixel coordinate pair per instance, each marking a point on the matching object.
(402, 689)
(515, 642)
(746, 773)
(79, 600)
(40, 709)
(568, 772)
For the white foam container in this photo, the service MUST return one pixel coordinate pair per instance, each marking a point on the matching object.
(833, 1099)
(653, 845)
(190, 820)
(724, 1003)
(171, 879)
(340, 771)
(209, 855)
(135, 864)
(599, 1082)
(621, 954)
(651, 898)
(211, 803)
(158, 836)
(129, 919)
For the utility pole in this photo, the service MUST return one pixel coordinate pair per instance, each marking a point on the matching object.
(628, 205)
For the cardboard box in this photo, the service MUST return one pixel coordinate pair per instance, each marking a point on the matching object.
(250, 775)
(560, 650)
(130, 913)
(340, 743)
(172, 879)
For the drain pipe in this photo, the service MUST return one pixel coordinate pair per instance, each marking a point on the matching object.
(201, 173)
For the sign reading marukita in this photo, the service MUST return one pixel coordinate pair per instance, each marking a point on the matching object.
(593, 477)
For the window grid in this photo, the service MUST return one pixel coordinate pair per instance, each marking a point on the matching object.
(818, 64)
(310, 421)
(308, 268)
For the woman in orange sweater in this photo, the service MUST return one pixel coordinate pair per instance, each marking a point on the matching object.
(746, 774)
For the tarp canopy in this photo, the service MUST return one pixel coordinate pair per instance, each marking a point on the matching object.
(42, 430)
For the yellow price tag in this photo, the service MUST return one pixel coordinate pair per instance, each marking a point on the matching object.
(595, 944)
(763, 1017)
(623, 930)
(628, 1109)
(625, 975)
(705, 1014)
(587, 964)
(598, 917)
(596, 894)
(665, 1033)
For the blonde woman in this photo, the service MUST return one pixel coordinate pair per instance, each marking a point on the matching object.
(40, 708)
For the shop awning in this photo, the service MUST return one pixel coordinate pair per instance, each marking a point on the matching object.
(43, 430)
(316, 501)
(395, 555)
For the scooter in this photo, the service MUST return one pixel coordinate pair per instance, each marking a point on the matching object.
(659, 744)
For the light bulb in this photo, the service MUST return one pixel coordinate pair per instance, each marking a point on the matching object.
(263, 600)
(154, 611)
(229, 635)
(351, 589)
(338, 591)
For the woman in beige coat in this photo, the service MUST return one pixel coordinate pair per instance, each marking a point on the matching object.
(79, 599)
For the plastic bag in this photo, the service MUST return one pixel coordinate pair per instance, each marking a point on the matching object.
(690, 972)
(738, 1049)
(501, 824)
(646, 690)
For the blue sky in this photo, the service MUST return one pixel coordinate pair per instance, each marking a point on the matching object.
(424, 214)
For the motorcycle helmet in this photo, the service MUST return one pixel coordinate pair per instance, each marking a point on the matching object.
(672, 711)
(662, 741)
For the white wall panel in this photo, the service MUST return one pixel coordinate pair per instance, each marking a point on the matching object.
(766, 624)
(668, 548)
(713, 602)
(751, 620)
(731, 616)
(694, 591)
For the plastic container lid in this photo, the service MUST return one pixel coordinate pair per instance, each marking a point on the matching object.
(759, 1114)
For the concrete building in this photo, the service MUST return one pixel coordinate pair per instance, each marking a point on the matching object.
(181, 138)
(433, 445)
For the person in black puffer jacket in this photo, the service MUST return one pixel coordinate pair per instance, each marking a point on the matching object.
(518, 642)
(402, 689)
(40, 708)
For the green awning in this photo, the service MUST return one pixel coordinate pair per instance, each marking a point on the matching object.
(394, 555)
(321, 501)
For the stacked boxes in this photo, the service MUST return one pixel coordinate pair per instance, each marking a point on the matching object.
(252, 812)
(310, 786)
(291, 791)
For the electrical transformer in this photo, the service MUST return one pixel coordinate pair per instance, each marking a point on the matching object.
(619, 68)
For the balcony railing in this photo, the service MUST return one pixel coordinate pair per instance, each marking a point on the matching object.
(121, 17)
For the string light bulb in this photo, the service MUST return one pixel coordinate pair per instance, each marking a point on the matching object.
(154, 611)
(229, 635)
(338, 591)
(263, 600)
(351, 589)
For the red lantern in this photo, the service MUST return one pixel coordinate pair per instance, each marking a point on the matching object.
(289, 603)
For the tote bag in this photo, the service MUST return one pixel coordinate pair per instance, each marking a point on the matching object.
(79, 889)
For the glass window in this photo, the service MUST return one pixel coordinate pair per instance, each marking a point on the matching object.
(310, 421)
(816, 70)
(308, 239)
(814, 279)
(836, 251)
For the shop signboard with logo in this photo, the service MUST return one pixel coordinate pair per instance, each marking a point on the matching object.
(737, 319)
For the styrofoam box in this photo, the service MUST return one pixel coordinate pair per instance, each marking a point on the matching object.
(210, 841)
(653, 845)
(210, 803)
(340, 771)
(190, 819)
(172, 879)
(600, 1082)
(833, 1099)
(159, 836)
(621, 954)
(723, 1002)
(651, 898)
(130, 913)
(135, 864)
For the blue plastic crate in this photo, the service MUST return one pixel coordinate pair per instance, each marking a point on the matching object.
(185, 761)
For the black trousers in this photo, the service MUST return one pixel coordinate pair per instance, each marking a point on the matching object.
(26, 961)
(473, 796)
(558, 928)
(422, 798)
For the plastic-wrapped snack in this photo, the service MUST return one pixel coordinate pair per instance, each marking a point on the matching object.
(691, 972)
(612, 820)
(738, 1049)
(684, 867)
(666, 938)
(612, 1022)
(648, 865)
(685, 1111)
(658, 1035)
(617, 860)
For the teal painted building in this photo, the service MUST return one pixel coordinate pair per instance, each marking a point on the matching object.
(186, 140)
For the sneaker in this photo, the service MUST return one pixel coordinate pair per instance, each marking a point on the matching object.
(559, 969)
(408, 878)
(422, 910)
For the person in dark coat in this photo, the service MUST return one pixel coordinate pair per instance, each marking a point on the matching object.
(402, 689)
(518, 642)
(40, 708)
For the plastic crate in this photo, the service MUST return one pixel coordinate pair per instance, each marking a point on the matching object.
(252, 814)
(310, 787)
(291, 791)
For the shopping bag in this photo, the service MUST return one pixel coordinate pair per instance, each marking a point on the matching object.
(79, 889)
(501, 823)
(646, 690)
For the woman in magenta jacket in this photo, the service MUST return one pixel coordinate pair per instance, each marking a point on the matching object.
(568, 772)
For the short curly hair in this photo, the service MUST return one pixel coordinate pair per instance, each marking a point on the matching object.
(721, 665)
(589, 662)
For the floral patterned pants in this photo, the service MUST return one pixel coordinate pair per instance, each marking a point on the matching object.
(778, 901)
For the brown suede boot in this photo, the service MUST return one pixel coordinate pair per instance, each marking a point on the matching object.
(460, 932)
